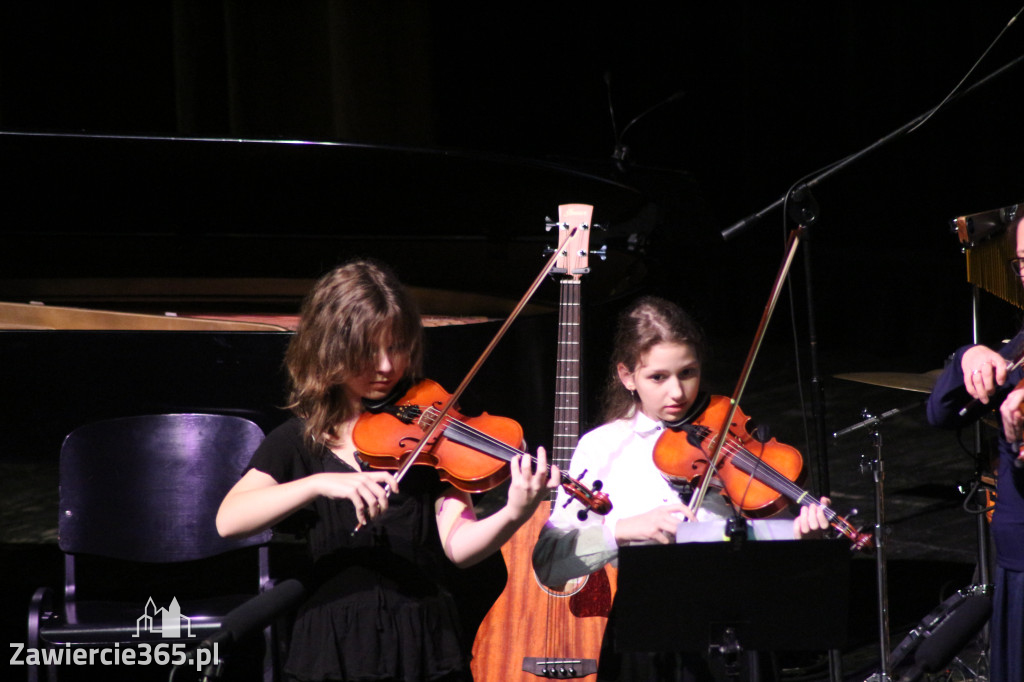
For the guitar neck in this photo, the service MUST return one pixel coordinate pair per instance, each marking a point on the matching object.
(572, 263)
(567, 376)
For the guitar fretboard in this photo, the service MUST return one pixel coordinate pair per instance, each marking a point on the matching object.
(567, 379)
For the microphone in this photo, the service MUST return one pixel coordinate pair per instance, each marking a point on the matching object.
(951, 636)
(258, 612)
(250, 616)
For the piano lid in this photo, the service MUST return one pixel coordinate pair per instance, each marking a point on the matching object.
(94, 219)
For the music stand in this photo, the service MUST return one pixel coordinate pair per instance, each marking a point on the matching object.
(729, 597)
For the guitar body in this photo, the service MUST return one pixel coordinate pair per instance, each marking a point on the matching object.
(532, 631)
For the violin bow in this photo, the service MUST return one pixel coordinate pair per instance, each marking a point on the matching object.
(791, 246)
(1010, 366)
(457, 393)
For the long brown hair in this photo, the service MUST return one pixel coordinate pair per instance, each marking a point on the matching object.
(350, 314)
(647, 322)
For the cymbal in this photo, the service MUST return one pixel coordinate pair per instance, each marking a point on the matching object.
(920, 383)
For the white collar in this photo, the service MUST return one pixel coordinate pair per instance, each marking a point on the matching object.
(644, 425)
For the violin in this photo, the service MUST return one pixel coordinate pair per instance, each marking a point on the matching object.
(470, 453)
(758, 484)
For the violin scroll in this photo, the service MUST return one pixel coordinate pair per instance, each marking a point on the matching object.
(593, 499)
(860, 540)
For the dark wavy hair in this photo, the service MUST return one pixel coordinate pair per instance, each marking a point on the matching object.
(350, 314)
(647, 322)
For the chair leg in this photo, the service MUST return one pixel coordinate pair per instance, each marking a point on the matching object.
(40, 609)
(269, 657)
(272, 653)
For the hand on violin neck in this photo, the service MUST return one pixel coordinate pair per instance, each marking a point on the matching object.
(532, 482)
(811, 523)
(657, 525)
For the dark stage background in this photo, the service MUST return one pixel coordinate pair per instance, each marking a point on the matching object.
(445, 136)
(760, 97)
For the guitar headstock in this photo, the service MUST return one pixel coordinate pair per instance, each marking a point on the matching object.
(573, 259)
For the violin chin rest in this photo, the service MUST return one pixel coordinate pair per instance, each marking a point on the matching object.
(400, 389)
(700, 404)
(683, 487)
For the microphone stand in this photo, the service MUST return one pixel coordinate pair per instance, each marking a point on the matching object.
(803, 209)
(877, 469)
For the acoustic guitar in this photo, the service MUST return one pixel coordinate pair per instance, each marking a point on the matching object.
(534, 631)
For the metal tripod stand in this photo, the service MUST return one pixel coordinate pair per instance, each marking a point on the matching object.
(876, 466)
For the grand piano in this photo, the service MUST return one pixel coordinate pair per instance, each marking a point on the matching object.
(198, 252)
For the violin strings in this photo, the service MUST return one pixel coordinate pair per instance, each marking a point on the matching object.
(578, 490)
(742, 456)
(768, 474)
(787, 487)
(461, 427)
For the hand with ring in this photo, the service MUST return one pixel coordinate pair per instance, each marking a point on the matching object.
(984, 372)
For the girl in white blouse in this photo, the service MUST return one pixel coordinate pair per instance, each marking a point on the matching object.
(655, 378)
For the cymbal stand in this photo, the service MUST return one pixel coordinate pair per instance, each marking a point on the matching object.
(984, 583)
(877, 469)
(984, 580)
(881, 568)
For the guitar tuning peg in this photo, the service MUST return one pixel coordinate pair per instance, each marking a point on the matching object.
(582, 514)
(601, 253)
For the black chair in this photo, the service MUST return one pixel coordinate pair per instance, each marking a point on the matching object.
(144, 566)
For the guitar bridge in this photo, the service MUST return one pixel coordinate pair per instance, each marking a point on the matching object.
(560, 668)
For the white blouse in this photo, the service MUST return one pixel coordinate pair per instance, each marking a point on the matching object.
(620, 455)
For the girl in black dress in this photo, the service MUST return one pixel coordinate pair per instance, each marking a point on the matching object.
(378, 606)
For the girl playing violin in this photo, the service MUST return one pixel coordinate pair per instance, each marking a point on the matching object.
(378, 607)
(981, 373)
(655, 378)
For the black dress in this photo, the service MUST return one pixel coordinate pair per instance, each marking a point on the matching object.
(379, 608)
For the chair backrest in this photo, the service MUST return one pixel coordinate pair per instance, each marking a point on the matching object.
(147, 488)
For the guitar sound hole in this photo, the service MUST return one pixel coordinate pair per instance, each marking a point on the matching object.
(567, 590)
